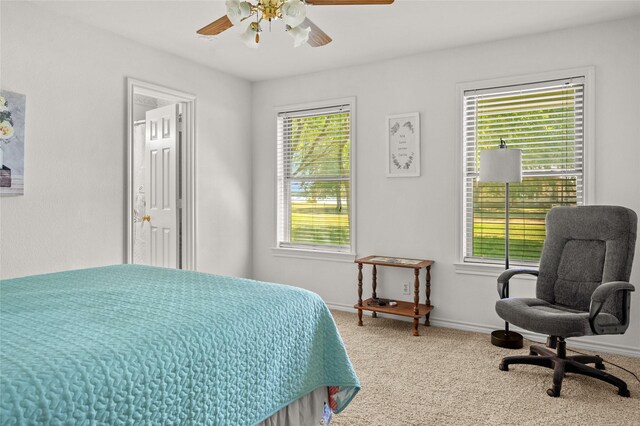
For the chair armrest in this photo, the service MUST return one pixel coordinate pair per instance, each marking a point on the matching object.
(503, 279)
(603, 291)
(600, 296)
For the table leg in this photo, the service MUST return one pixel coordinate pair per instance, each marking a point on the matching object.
(426, 317)
(416, 301)
(374, 284)
(360, 293)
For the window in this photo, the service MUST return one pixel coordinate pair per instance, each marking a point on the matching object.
(546, 121)
(314, 171)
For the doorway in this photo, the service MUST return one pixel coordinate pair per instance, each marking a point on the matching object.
(160, 212)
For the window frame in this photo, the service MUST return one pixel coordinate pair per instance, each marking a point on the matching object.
(488, 267)
(319, 252)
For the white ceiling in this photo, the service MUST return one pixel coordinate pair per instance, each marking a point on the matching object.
(361, 34)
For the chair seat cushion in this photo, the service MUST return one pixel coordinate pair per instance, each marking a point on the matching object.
(546, 318)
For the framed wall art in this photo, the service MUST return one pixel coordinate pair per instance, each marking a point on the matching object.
(403, 145)
(12, 116)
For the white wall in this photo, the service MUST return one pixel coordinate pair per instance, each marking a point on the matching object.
(417, 217)
(73, 211)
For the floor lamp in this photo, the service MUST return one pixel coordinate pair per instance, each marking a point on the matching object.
(503, 165)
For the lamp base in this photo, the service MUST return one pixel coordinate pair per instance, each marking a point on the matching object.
(506, 339)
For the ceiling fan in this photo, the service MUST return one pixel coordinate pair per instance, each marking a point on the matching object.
(292, 12)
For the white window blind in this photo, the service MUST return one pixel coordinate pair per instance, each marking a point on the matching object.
(546, 121)
(314, 179)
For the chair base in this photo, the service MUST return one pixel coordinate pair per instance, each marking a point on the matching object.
(506, 339)
(562, 364)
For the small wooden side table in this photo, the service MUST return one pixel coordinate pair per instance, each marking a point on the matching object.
(414, 310)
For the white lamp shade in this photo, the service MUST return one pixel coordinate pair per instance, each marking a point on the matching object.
(249, 37)
(501, 165)
(300, 35)
(293, 12)
(237, 11)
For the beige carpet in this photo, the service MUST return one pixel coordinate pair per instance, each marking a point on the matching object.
(448, 376)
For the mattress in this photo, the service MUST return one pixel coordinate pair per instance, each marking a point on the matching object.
(131, 344)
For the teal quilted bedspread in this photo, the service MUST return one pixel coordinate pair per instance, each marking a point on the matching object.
(134, 344)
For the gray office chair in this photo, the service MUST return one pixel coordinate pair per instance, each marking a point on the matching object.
(582, 289)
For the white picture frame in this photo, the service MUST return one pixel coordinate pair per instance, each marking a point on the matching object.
(403, 145)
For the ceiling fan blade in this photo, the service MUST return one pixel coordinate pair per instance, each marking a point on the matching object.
(346, 2)
(317, 37)
(216, 27)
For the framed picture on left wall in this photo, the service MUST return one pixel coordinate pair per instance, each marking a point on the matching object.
(12, 126)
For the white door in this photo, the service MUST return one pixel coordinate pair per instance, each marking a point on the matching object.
(161, 157)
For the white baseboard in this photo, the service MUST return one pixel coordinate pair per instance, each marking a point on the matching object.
(486, 329)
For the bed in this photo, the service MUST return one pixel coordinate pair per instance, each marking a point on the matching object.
(130, 344)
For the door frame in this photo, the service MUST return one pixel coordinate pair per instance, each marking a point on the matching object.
(187, 168)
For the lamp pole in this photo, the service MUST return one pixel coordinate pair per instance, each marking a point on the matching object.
(506, 242)
(506, 226)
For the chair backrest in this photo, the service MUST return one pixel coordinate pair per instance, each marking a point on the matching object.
(585, 247)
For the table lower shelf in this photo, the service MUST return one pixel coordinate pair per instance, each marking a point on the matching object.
(405, 309)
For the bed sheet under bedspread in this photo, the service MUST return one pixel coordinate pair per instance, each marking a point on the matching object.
(131, 344)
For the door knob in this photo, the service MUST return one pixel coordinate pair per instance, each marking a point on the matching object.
(147, 218)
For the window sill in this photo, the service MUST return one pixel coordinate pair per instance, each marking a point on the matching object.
(491, 270)
(314, 254)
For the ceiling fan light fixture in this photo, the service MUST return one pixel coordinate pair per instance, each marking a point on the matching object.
(237, 11)
(293, 12)
(300, 35)
(251, 36)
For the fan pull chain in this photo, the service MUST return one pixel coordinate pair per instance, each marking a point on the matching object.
(258, 27)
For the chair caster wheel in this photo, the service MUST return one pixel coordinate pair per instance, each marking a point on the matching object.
(503, 367)
(624, 392)
(553, 393)
(600, 366)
